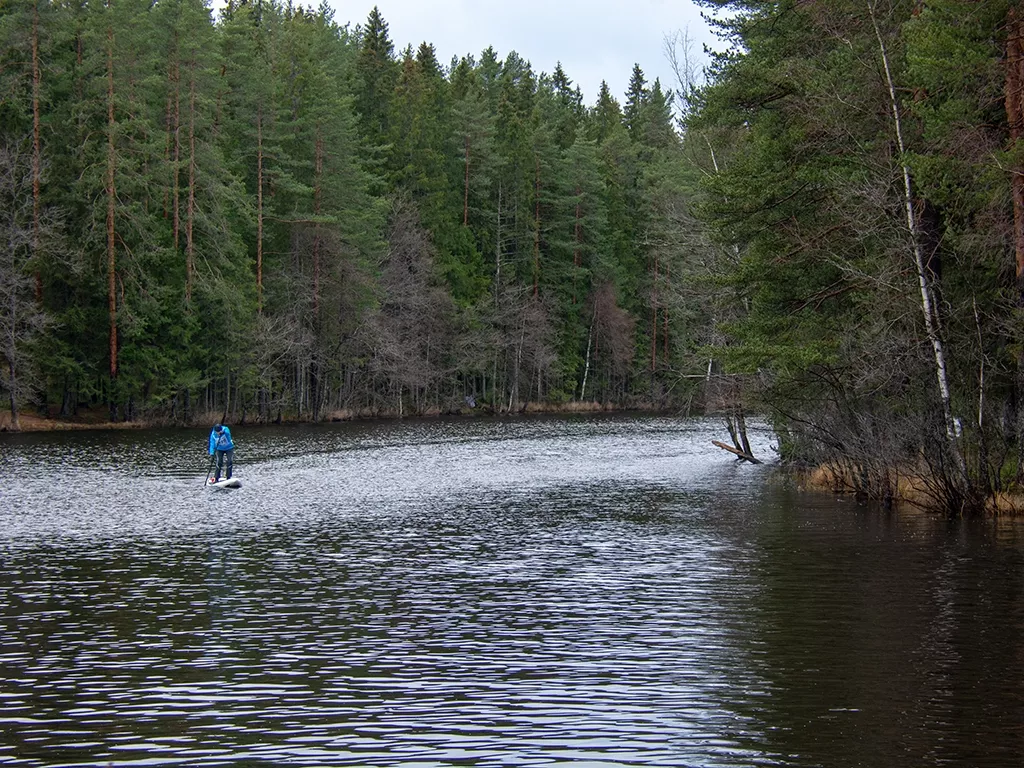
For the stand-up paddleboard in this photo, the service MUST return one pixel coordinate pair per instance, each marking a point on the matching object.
(231, 482)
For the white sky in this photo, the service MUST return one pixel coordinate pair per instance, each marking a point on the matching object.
(596, 40)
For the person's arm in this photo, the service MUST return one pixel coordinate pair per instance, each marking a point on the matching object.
(213, 444)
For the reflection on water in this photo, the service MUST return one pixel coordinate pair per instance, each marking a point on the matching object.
(542, 592)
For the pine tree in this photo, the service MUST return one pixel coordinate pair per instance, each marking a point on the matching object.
(26, 41)
(202, 198)
(122, 153)
(202, 192)
(249, 105)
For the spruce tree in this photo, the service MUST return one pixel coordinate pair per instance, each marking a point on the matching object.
(471, 170)
(377, 74)
(636, 100)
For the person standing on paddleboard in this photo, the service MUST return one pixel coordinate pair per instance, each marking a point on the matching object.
(223, 446)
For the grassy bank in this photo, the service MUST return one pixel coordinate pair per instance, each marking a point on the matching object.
(910, 487)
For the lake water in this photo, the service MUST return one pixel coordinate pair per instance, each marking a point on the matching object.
(594, 591)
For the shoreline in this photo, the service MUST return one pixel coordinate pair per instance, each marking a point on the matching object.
(96, 418)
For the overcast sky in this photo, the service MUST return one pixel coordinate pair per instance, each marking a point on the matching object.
(596, 40)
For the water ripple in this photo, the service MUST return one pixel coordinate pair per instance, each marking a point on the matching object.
(595, 592)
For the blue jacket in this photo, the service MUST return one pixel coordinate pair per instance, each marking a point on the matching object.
(221, 441)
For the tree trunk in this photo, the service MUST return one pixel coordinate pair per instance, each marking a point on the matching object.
(536, 228)
(654, 320)
(10, 353)
(176, 157)
(169, 139)
(36, 150)
(111, 201)
(586, 362)
(664, 318)
(465, 189)
(190, 206)
(15, 420)
(741, 427)
(577, 238)
(315, 365)
(513, 401)
(259, 210)
(71, 397)
(315, 394)
(736, 451)
(317, 204)
(928, 308)
(1014, 102)
(497, 248)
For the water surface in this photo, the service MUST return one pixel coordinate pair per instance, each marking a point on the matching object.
(598, 591)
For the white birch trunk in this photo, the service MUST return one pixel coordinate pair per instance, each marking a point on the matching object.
(928, 308)
(586, 364)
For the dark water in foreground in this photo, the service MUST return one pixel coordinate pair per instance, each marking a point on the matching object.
(587, 592)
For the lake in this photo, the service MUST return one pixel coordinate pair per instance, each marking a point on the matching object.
(588, 591)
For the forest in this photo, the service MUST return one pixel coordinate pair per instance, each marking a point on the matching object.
(271, 215)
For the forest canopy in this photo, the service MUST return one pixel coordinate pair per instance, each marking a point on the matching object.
(270, 215)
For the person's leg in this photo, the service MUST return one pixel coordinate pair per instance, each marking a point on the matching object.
(230, 456)
(220, 463)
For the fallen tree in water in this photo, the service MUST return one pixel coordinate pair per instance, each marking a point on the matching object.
(742, 454)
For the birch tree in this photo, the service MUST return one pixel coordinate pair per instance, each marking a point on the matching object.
(929, 309)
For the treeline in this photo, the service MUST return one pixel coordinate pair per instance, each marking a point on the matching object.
(864, 177)
(273, 215)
